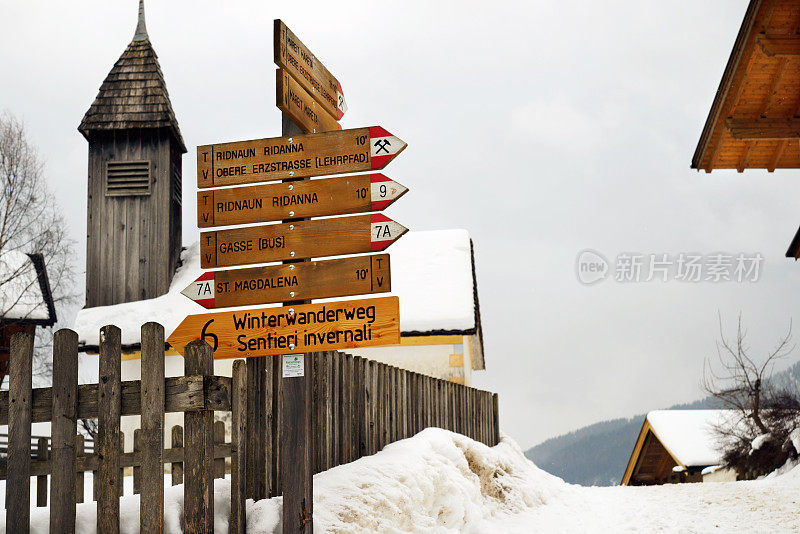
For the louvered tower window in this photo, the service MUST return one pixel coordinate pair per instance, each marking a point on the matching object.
(127, 178)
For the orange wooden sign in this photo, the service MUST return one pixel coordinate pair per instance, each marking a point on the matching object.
(301, 107)
(299, 156)
(359, 275)
(293, 329)
(302, 239)
(308, 198)
(297, 59)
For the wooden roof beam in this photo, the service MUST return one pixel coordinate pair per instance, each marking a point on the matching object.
(764, 128)
(788, 45)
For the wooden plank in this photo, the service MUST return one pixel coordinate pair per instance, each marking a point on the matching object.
(277, 283)
(182, 393)
(780, 46)
(308, 198)
(41, 480)
(302, 239)
(275, 429)
(495, 420)
(336, 423)
(291, 54)
(256, 473)
(219, 438)
(177, 467)
(274, 331)
(296, 103)
(238, 517)
(109, 438)
(198, 487)
(316, 397)
(297, 156)
(64, 427)
(329, 410)
(18, 484)
(151, 503)
(764, 128)
(137, 469)
(269, 422)
(80, 445)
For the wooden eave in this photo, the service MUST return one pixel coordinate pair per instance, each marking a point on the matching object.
(753, 122)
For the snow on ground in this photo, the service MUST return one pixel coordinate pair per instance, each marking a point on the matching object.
(441, 482)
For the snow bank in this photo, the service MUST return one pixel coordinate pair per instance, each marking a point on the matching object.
(436, 481)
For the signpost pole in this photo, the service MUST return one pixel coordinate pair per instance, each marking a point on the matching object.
(295, 424)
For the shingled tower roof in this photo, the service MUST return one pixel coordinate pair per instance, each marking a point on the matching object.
(134, 94)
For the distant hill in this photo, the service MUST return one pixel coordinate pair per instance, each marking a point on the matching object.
(596, 455)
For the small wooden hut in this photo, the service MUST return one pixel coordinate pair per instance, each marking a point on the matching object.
(134, 205)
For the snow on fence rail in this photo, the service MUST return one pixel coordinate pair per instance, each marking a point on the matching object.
(359, 406)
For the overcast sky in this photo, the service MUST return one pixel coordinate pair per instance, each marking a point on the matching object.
(543, 127)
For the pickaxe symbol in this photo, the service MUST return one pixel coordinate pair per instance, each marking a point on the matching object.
(382, 144)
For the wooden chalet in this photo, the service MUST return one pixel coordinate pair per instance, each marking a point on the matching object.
(134, 204)
(754, 121)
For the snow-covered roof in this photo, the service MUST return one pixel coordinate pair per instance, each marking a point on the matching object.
(688, 435)
(24, 290)
(432, 273)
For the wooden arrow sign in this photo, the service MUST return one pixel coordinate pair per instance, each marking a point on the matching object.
(301, 107)
(293, 329)
(302, 239)
(299, 156)
(308, 198)
(359, 275)
(297, 59)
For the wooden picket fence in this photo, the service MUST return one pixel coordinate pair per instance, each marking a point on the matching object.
(359, 406)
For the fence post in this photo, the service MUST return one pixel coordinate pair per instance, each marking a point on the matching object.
(238, 519)
(198, 450)
(64, 427)
(109, 407)
(151, 441)
(18, 485)
(177, 443)
(41, 480)
(79, 453)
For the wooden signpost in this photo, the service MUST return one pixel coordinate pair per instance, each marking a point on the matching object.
(310, 198)
(312, 101)
(294, 329)
(302, 239)
(297, 59)
(359, 275)
(301, 107)
(299, 156)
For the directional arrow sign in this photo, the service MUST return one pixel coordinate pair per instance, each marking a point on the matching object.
(299, 156)
(301, 107)
(343, 277)
(309, 71)
(293, 329)
(302, 239)
(309, 198)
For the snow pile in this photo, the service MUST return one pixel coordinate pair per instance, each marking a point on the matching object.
(759, 441)
(436, 481)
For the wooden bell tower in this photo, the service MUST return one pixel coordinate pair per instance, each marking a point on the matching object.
(134, 205)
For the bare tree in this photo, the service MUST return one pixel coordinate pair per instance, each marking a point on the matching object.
(742, 384)
(30, 222)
